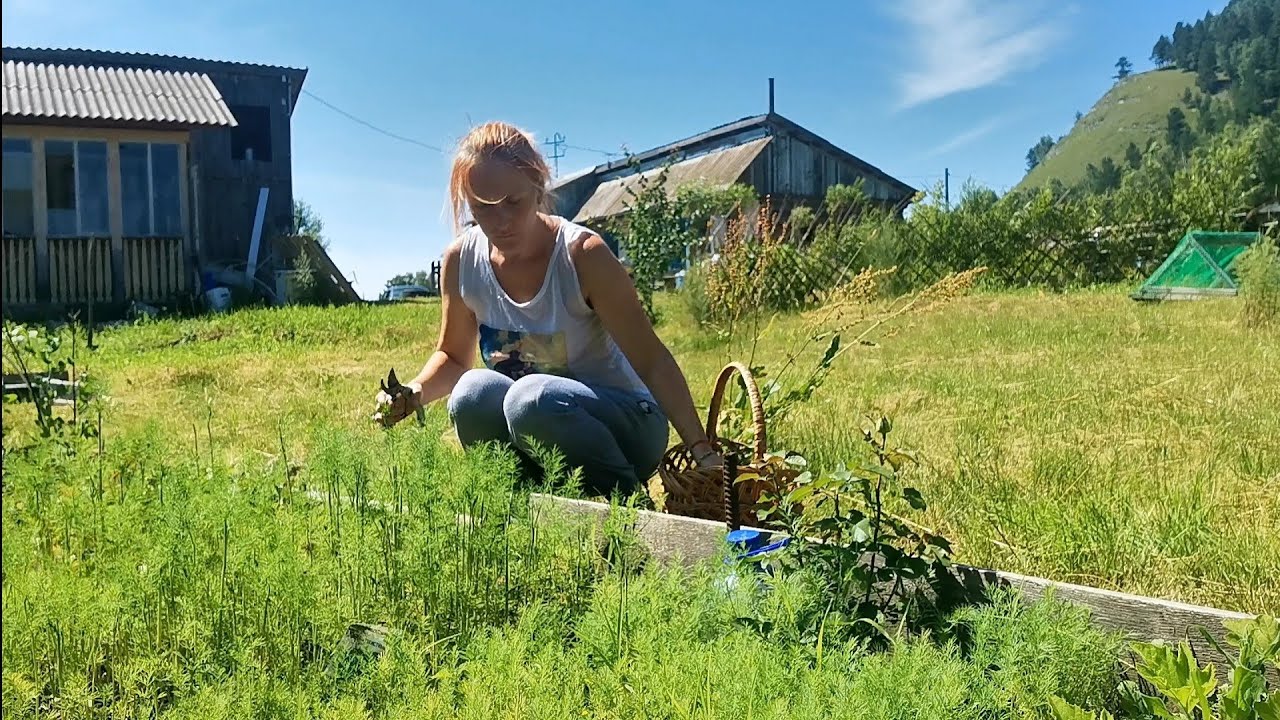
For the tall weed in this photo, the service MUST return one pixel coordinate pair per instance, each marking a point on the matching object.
(1259, 272)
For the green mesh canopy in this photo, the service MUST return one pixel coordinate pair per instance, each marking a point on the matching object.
(1201, 265)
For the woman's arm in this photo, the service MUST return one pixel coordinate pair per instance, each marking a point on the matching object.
(612, 294)
(456, 347)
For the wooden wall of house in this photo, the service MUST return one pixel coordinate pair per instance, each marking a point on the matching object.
(229, 182)
(792, 167)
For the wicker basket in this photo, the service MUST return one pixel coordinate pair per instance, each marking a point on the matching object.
(684, 488)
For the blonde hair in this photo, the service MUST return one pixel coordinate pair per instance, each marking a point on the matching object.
(504, 143)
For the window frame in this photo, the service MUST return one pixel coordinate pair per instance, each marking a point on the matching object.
(31, 170)
(152, 232)
(76, 192)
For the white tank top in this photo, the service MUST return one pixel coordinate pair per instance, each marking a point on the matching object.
(556, 332)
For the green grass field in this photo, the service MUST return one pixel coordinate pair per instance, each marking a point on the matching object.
(1081, 437)
(1134, 111)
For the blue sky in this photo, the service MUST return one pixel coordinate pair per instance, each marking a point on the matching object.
(913, 87)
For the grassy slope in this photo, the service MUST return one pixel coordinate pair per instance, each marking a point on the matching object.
(1135, 110)
(1082, 437)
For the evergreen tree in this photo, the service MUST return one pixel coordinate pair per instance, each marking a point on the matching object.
(1181, 50)
(1206, 120)
(1133, 156)
(1162, 53)
(1124, 68)
(1104, 178)
(1207, 68)
(1178, 133)
(1037, 153)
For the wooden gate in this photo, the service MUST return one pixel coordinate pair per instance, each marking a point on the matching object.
(79, 269)
(19, 270)
(153, 269)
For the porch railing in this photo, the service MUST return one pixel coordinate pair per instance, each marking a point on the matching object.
(153, 268)
(80, 269)
(19, 270)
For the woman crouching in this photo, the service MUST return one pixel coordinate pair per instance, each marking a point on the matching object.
(571, 361)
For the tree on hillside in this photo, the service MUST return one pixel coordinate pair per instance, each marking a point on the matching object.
(1104, 178)
(1252, 81)
(1206, 117)
(1162, 53)
(1133, 156)
(1181, 51)
(1124, 68)
(1178, 132)
(1038, 152)
(1079, 116)
(1207, 68)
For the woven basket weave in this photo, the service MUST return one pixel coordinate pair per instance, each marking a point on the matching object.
(684, 488)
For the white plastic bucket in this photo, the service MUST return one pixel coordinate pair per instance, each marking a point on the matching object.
(218, 299)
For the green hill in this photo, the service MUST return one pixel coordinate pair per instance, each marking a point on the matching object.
(1135, 110)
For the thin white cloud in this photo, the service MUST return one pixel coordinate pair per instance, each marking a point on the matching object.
(967, 137)
(962, 45)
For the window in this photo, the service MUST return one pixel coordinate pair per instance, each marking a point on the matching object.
(166, 190)
(19, 196)
(135, 189)
(251, 137)
(150, 189)
(76, 188)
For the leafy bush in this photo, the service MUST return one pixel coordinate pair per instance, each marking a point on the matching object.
(872, 564)
(1185, 690)
(654, 234)
(1259, 271)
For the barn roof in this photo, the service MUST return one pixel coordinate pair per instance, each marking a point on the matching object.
(51, 91)
(764, 123)
(720, 168)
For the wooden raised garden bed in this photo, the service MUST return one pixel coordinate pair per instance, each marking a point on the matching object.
(688, 541)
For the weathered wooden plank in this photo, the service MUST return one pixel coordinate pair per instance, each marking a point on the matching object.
(687, 541)
(19, 270)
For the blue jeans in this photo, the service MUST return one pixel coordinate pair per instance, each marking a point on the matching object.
(616, 437)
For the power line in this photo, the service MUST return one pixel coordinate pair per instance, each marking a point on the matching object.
(435, 148)
(606, 153)
(370, 125)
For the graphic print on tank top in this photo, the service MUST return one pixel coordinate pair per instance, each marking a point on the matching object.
(516, 354)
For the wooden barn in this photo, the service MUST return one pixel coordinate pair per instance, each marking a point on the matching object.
(777, 157)
(130, 177)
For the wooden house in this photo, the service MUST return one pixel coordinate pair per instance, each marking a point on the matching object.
(131, 176)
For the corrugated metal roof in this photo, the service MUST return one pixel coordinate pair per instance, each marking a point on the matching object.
(720, 168)
(131, 57)
(78, 92)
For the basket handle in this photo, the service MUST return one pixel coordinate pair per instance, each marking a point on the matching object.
(753, 395)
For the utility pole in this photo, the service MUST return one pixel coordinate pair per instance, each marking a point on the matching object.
(946, 186)
(556, 153)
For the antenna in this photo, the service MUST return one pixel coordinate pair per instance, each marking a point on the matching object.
(770, 96)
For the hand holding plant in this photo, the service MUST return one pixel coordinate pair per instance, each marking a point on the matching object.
(396, 401)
